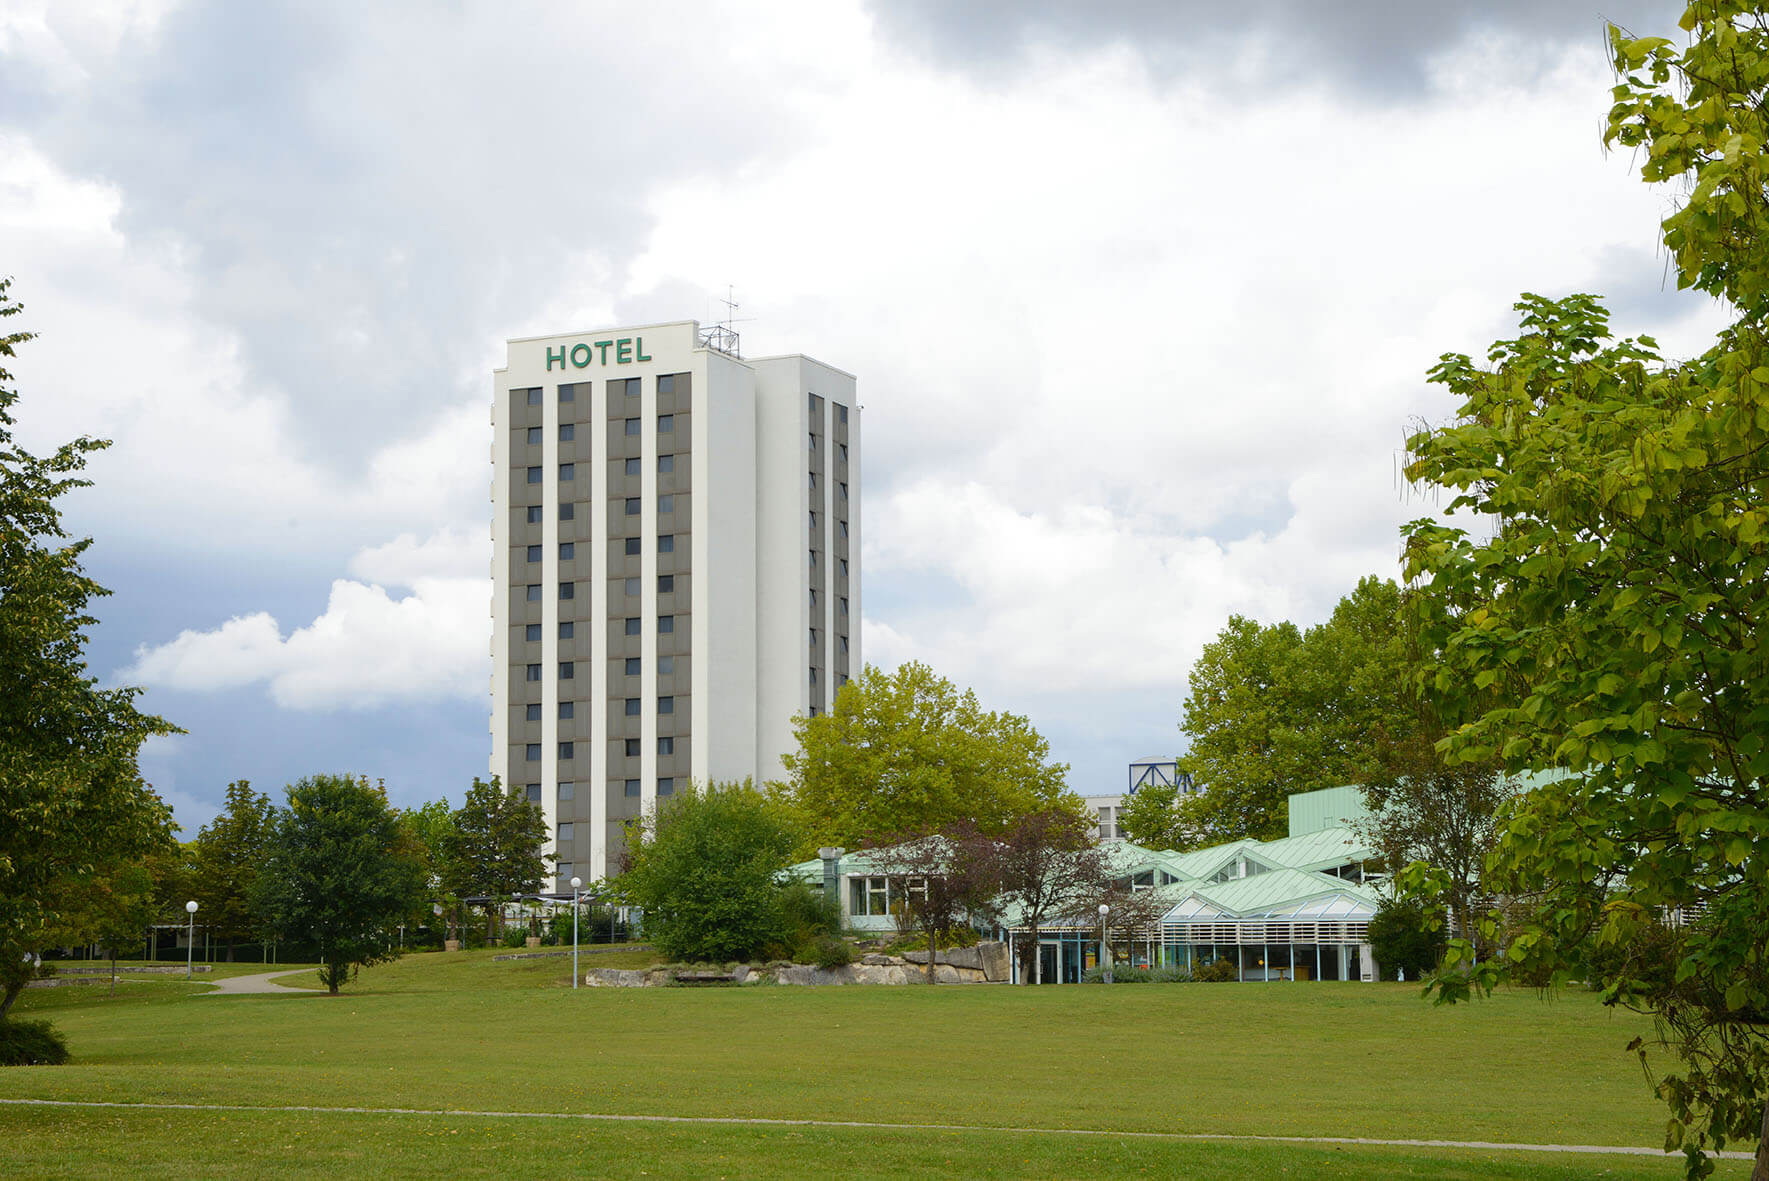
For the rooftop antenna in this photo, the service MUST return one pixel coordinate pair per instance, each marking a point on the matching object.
(722, 336)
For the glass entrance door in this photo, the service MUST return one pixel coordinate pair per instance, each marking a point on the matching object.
(1047, 964)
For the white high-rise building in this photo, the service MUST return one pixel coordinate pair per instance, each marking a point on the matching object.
(675, 569)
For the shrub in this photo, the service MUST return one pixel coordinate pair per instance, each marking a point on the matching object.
(1216, 972)
(833, 953)
(1122, 974)
(1402, 940)
(31, 1043)
(515, 936)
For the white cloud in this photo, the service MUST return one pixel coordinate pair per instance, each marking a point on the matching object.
(367, 649)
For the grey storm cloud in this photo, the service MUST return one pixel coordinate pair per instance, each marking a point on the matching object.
(368, 196)
(1380, 48)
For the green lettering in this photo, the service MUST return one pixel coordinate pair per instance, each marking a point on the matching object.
(602, 347)
(639, 344)
(623, 350)
(559, 357)
(580, 348)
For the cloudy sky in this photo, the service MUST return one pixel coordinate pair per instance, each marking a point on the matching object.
(1140, 293)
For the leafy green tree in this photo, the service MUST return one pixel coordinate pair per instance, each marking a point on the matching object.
(226, 856)
(1618, 604)
(494, 847)
(72, 801)
(1046, 866)
(705, 868)
(1404, 939)
(338, 874)
(1152, 816)
(111, 908)
(1274, 710)
(906, 751)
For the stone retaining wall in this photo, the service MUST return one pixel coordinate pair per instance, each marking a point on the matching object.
(968, 965)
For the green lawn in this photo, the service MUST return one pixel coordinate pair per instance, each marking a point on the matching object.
(450, 1032)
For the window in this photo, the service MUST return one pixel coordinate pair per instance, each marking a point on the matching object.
(633, 625)
(816, 403)
(813, 711)
(567, 750)
(567, 432)
(666, 424)
(666, 543)
(632, 707)
(666, 666)
(666, 464)
(813, 559)
(630, 586)
(567, 791)
(632, 788)
(813, 598)
(567, 550)
(532, 753)
(534, 672)
(568, 590)
(633, 387)
(665, 785)
(534, 396)
(632, 426)
(533, 713)
(813, 481)
(666, 384)
(877, 896)
(534, 514)
(813, 637)
(632, 467)
(533, 791)
(842, 411)
(844, 528)
(666, 503)
(633, 545)
(534, 475)
(844, 567)
(534, 553)
(634, 666)
(635, 505)
(844, 452)
(567, 512)
(567, 670)
(844, 606)
(813, 440)
(666, 584)
(666, 705)
(666, 624)
(632, 748)
(844, 640)
(532, 632)
(844, 490)
(567, 630)
(568, 393)
(813, 518)
(567, 709)
(564, 871)
(568, 471)
(666, 746)
(533, 592)
(813, 676)
(534, 435)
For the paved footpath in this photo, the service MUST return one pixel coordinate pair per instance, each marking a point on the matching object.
(259, 982)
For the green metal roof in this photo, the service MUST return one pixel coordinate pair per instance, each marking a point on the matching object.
(1332, 807)
(1280, 888)
(1322, 849)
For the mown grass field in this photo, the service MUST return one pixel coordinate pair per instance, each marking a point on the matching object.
(445, 1034)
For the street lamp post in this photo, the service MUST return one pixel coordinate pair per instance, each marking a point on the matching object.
(1105, 948)
(576, 884)
(190, 941)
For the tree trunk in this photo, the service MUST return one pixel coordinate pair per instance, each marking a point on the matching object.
(1760, 1170)
(113, 971)
(12, 990)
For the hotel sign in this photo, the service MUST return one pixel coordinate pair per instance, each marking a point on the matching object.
(627, 350)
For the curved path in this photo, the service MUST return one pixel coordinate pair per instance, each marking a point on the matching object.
(259, 982)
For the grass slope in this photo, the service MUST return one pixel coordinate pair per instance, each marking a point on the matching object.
(442, 1032)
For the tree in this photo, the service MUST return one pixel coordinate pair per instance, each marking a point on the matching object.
(72, 801)
(1046, 866)
(705, 868)
(111, 908)
(494, 847)
(338, 875)
(1273, 710)
(906, 751)
(1404, 940)
(1152, 816)
(947, 882)
(226, 856)
(1618, 602)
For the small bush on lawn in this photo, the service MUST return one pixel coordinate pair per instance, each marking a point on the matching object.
(31, 1043)
(1125, 974)
(833, 953)
(1216, 972)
